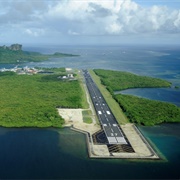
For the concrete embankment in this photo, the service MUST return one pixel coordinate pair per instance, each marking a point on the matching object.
(142, 149)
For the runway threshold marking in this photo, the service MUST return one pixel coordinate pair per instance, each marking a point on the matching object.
(99, 112)
(108, 112)
(112, 140)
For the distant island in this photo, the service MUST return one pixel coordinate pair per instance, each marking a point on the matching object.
(15, 54)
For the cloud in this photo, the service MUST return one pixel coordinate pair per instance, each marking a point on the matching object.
(72, 32)
(115, 17)
(21, 11)
(98, 11)
(114, 28)
(35, 32)
(87, 17)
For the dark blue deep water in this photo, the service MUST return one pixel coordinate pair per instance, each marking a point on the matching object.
(62, 153)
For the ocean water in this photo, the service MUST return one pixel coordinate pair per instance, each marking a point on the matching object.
(62, 153)
(153, 61)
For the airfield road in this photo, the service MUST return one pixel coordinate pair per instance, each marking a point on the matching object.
(107, 120)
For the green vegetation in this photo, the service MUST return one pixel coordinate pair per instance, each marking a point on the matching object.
(55, 70)
(87, 116)
(117, 80)
(147, 112)
(139, 110)
(87, 120)
(86, 113)
(11, 56)
(84, 99)
(31, 100)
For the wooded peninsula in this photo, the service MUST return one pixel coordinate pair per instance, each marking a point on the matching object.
(139, 110)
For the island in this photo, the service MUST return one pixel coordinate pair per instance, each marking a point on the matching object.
(58, 97)
(15, 54)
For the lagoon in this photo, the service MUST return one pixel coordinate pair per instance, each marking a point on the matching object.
(162, 94)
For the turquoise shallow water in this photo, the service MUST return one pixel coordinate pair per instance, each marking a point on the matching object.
(166, 138)
(62, 154)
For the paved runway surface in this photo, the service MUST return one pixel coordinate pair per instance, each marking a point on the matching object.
(106, 118)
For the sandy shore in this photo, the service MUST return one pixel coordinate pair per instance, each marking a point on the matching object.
(74, 118)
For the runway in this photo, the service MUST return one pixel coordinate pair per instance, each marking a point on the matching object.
(107, 120)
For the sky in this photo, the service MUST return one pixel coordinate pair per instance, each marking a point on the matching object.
(81, 22)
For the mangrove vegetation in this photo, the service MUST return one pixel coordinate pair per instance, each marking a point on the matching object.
(139, 110)
(118, 80)
(148, 112)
